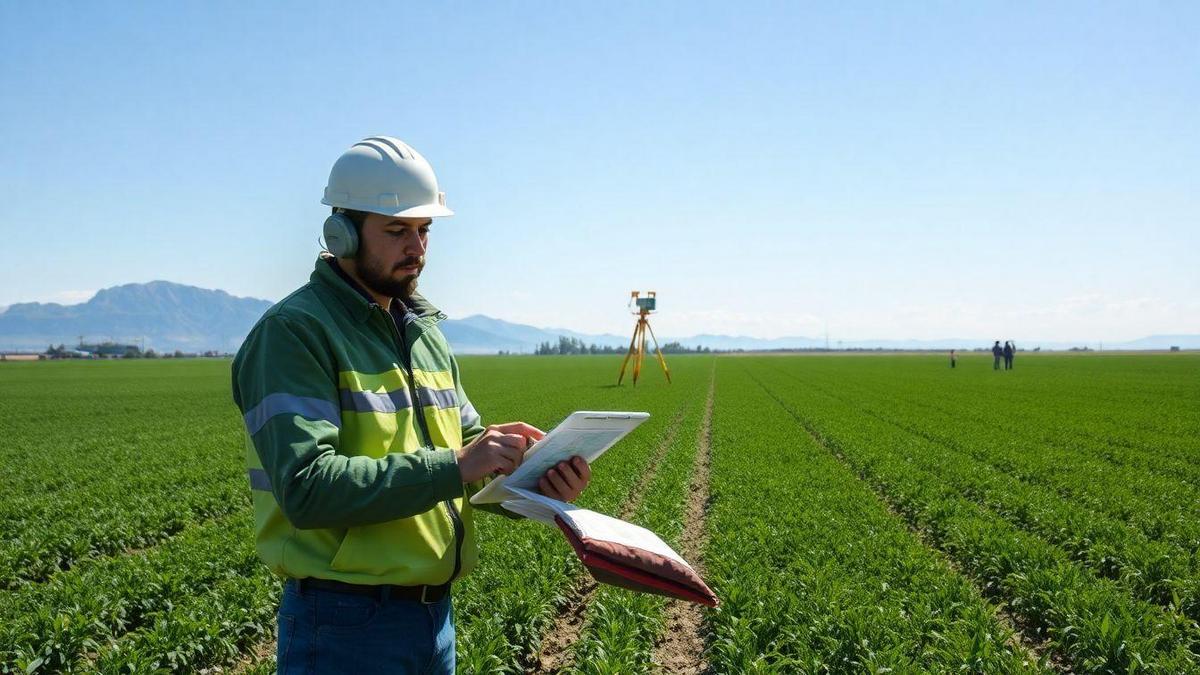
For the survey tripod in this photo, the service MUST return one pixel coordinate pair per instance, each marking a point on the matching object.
(637, 346)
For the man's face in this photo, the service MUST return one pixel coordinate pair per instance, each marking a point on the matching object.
(392, 254)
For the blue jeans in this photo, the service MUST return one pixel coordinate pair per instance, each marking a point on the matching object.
(323, 632)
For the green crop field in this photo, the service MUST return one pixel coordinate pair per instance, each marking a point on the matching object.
(854, 514)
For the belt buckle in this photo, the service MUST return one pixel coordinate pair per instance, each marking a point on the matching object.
(424, 592)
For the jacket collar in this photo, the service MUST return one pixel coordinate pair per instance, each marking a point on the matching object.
(356, 299)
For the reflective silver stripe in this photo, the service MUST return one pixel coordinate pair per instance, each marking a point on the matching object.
(287, 404)
(369, 401)
(392, 401)
(467, 416)
(442, 398)
(259, 480)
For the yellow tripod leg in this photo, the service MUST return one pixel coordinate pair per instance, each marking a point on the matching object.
(641, 351)
(661, 361)
(628, 354)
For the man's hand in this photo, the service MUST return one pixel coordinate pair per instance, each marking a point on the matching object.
(500, 449)
(565, 480)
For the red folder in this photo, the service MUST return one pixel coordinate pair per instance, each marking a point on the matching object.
(637, 569)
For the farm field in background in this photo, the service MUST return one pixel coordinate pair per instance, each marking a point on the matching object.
(853, 513)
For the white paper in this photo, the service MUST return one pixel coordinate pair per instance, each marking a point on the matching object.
(589, 524)
(584, 433)
(587, 444)
(532, 510)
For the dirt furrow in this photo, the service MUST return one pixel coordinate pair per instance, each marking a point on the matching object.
(253, 655)
(555, 654)
(681, 647)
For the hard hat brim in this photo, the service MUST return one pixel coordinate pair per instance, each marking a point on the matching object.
(420, 211)
(423, 211)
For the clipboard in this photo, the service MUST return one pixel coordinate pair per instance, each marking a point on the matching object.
(586, 433)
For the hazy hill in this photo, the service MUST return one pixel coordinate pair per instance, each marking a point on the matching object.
(167, 315)
(483, 334)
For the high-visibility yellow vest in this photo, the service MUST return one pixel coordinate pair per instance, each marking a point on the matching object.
(353, 415)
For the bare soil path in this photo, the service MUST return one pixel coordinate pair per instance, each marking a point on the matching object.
(555, 655)
(681, 647)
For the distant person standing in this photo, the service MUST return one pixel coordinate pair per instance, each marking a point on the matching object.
(953, 359)
(1012, 354)
(997, 352)
(1008, 352)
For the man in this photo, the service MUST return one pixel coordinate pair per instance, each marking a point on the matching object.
(363, 448)
(997, 352)
(1008, 355)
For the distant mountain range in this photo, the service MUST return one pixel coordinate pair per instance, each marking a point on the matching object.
(170, 316)
(167, 316)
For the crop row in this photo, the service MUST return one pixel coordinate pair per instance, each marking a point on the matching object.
(1028, 489)
(1137, 411)
(1155, 492)
(1088, 621)
(1137, 402)
(816, 574)
(112, 457)
(107, 524)
(1148, 430)
(72, 621)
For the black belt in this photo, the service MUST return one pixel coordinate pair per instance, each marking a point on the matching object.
(423, 594)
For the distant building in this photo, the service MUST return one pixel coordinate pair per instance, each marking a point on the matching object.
(1174, 348)
(21, 356)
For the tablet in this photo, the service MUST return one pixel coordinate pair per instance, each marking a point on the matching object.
(585, 433)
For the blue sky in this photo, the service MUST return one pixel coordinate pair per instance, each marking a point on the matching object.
(896, 170)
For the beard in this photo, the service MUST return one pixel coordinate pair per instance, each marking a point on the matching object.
(377, 276)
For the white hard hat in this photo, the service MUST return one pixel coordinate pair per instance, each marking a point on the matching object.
(381, 174)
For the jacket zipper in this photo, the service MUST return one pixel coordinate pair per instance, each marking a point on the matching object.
(427, 439)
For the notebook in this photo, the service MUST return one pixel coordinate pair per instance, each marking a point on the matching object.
(616, 552)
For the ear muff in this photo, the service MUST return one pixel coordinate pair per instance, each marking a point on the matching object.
(341, 237)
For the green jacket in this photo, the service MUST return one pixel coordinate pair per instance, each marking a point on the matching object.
(350, 480)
